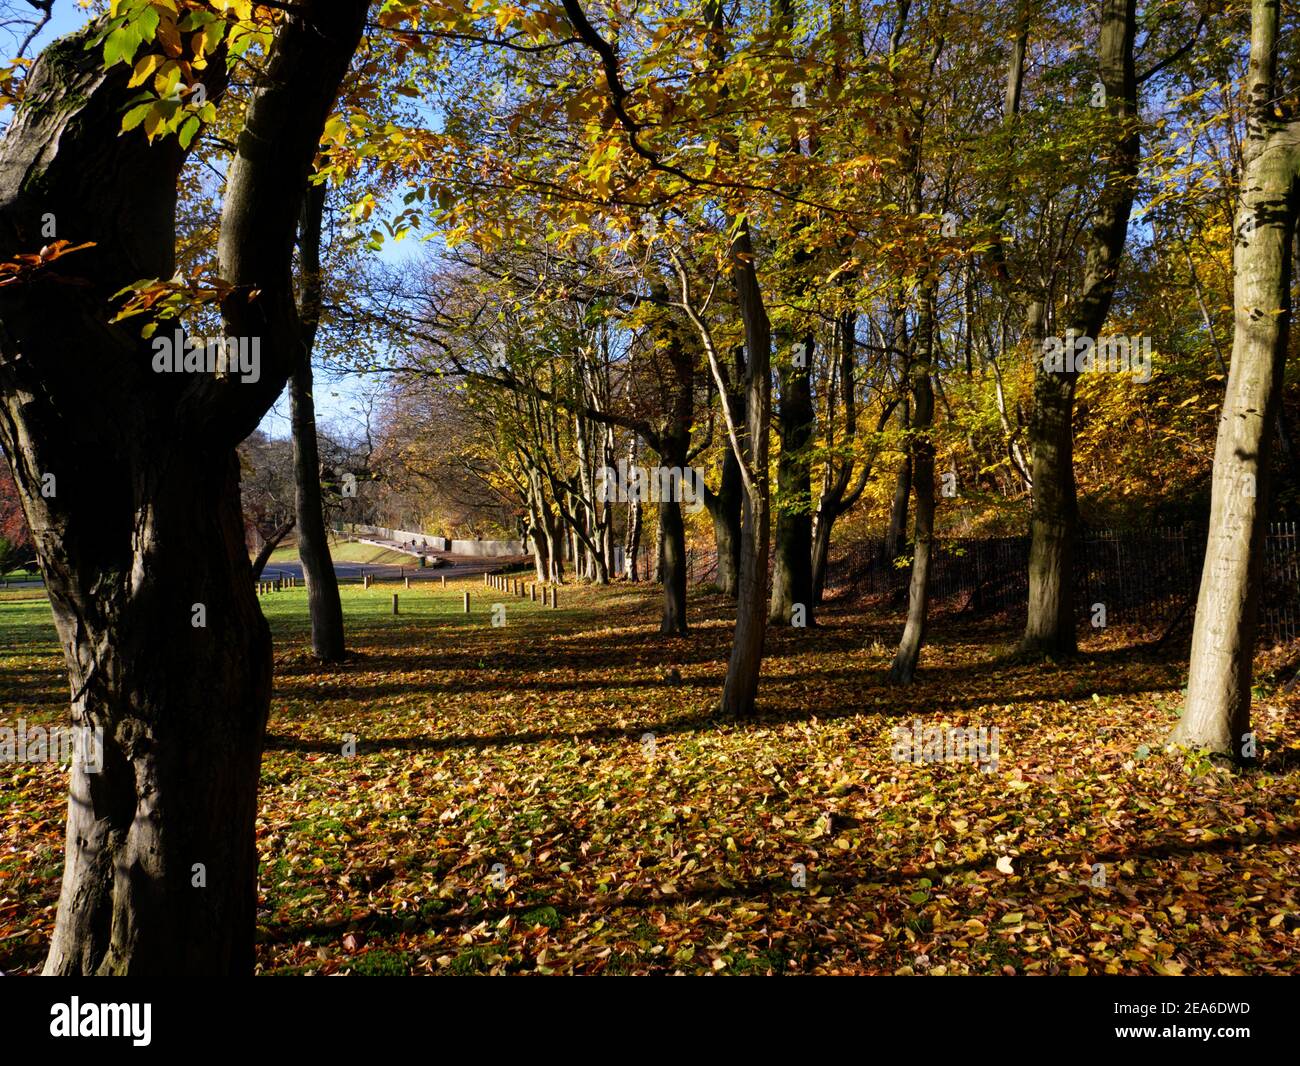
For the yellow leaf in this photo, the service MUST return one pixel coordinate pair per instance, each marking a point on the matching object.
(143, 69)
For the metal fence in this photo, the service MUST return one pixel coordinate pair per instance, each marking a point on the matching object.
(1146, 577)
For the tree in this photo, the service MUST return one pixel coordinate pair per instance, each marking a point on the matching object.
(142, 542)
(1050, 626)
(1216, 714)
(323, 602)
(266, 494)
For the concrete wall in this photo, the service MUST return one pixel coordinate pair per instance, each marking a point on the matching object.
(490, 548)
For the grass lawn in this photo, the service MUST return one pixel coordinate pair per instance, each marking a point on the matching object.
(542, 796)
(348, 552)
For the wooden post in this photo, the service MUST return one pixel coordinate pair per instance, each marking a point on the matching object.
(485, 578)
(467, 603)
(394, 603)
(532, 592)
(444, 580)
(555, 597)
(408, 582)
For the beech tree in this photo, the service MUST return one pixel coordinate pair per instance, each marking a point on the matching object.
(1050, 625)
(1216, 714)
(323, 602)
(141, 543)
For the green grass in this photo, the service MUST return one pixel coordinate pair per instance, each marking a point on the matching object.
(348, 552)
(32, 671)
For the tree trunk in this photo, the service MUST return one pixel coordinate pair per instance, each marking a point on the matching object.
(740, 690)
(632, 540)
(1217, 712)
(1050, 628)
(821, 551)
(672, 549)
(837, 498)
(903, 668)
(657, 553)
(725, 505)
(1050, 625)
(161, 867)
(672, 541)
(896, 534)
(724, 510)
(633, 543)
(323, 603)
(142, 542)
(792, 579)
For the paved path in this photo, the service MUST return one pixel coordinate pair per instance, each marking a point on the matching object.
(440, 563)
(388, 572)
(457, 566)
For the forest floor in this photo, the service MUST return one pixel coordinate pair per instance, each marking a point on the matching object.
(550, 796)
